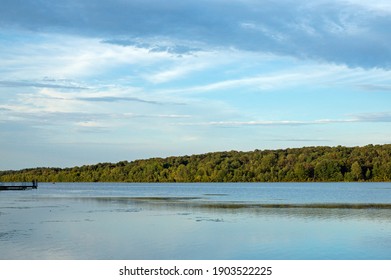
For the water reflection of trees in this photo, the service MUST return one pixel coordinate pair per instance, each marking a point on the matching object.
(373, 211)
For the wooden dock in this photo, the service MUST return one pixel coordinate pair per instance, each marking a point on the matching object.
(18, 186)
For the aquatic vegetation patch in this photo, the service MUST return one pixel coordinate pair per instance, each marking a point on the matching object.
(165, 198)
(310, 205)
(125, 210)
(194, 202)
(215, 194)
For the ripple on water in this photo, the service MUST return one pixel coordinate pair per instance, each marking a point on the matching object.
(184, 214)
(206, 219)
(14, 234)
(117, 210)
(215, 194)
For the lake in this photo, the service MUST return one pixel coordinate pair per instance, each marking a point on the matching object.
(274, 221)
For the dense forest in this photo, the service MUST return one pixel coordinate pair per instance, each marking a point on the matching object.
(369, 163)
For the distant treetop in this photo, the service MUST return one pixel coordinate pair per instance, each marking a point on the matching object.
(308, 164)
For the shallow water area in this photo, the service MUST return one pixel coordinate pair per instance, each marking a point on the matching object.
(197, 221)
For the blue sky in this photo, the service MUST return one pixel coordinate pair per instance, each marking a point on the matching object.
(85, 81)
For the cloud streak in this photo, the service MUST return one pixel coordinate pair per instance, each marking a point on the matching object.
(361, 118)
(18, 84)
(375, 87)
(117, 99)
(373, 117)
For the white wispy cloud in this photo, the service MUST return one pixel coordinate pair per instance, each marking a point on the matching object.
(176, 72)
(66, 56)
(384, 117)
(382, 6)
(307, 75)
(159, 116)
(260, 82)
(42, 84)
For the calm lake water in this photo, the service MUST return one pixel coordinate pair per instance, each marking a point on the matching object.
(197, 221)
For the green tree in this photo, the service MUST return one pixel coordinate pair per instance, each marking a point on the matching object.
(356, 171)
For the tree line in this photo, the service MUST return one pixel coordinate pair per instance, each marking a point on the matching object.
(308, 164)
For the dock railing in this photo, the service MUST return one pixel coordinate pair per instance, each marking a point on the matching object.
(15, 185)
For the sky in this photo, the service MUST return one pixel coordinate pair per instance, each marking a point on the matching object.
(87, 81)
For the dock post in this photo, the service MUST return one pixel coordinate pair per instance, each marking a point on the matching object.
(35, 184)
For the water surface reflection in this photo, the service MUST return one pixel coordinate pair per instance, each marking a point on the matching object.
(204, 224)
